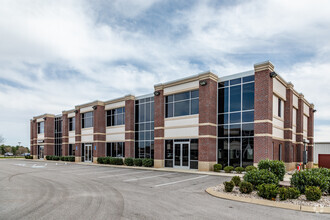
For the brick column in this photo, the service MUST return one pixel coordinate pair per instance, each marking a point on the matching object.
(65, 134)
(207, 143)
(263, 113)
(159, 128)
(129, 126)
(99, 132)
(49, 136)
(310, 134)
(33, 139)
(300, 129)
(288, 121)
(35, 136)
(78, 136)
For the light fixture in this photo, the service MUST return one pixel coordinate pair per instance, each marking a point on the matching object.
(76, 111)
(273, 74)
(44, 118)
(95, 107)
(314, 110)
(203, 83)
(156, 93)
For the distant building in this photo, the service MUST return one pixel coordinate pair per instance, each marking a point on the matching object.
(189, 123)
(321, 148)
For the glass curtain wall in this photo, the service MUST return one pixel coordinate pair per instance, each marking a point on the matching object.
(58, 136)
(115, 149)
(236, 122)
(144, 128)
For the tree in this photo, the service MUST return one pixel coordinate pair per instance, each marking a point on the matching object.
(2, 139)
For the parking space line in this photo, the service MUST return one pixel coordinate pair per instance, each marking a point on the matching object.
(124, 174)
(106, 171)
(148, 177)
(180, 181)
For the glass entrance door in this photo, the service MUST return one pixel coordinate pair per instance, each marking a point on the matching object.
(41, 152)
(88, 153)
(181, 155)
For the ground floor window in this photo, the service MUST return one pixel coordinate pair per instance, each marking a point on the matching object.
(144, 149)
(236, 151)
(181, 153)
(115, 149)
(72, 150)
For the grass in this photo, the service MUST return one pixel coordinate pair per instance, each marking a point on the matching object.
(2, 157)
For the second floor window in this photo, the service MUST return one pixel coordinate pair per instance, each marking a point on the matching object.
(185, 103)
(72, 124)
(41, 127)
(279, 110)
(116, 116)
(87, 120)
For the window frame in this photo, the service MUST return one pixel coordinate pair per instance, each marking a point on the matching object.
(83, 118)
(72, 124)
(173, 102)
(112, 114)
(41, 131)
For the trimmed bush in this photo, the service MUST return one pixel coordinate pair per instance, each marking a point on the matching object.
(116, 161)
(293, 193)
(236, 180)
(137, 162)
(29, 157)
(313, 193)
(48, 157)
(61, 158)
(229, 186)
(258, 177)
(100, 160)
(129, 161)
(146, 162)
(71, 159)
(217, 167)
(239, 169)
(56, 158)
(106, 160)
(313, 177)
(245, 187)
(284, 193)
(228, 169)
(274, 166)
(268, 191)
(250, 168)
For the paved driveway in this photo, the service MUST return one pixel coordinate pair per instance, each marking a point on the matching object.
(41, 190)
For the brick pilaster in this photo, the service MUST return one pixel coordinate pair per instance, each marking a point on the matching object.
(300, 129)
(263, 113)
(129, 126)
(49, 136)
(310, 134)
(159, 128)
(288, 117)
(78, 136)
(99, 131)
(65, 134)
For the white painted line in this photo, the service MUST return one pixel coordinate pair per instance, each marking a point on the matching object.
(148, 177)
(124, 174)
(180, 181)
(107, 171)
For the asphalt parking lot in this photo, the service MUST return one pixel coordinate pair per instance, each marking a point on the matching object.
(41, 190)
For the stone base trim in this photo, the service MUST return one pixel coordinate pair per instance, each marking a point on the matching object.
(94, 159)
(35, 157)
(159, 163)
(263, 202)
(77, 159)
(206, 165)
(290, 166)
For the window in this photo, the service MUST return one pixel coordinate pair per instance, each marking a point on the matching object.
(116, 116)
(116, 149)
(236, 122)
(144, 128)
(72, 124)
(280, 152)
(41, 127)
(72, 150)
(58, 136)
(185, 103)
(279, 111)
(87, 120)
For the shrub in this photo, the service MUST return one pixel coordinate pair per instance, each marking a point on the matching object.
(258, 177)
(274, 166)
(129, 161)
(48, 157)
(72, 159)
(313, 177)
(245, 187)
(116, 161)
(146, 162)
(137, 162)
(229, 186)
(268, 191)
(29, 157)
(217, 167)
(313, 193)
(249, 168)
(56, 158)
(239, 169)
(284, 193)
(293, 193)
(106, 160)
(62, 158)
(228, 169)
(100, 160)
(236, 180)
(66, 158)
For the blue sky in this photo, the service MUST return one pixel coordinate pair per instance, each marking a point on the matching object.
(58, 54)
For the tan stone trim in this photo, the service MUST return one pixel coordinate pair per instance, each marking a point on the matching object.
(66, 136)
(181, 90)
(68, 111)
(263, 66)
(287, 129)
(116, 133)
(108, 109)
(278, 118)
(113, 141)
(181, 117)
(299, 133)
(206, 124)
(300, 143)
(129, 140)
(207, 136)
(311, 137)
(129, 131)
(97, 102)
(263, 135)
(279, 96)
(263, 121)
(186, 137)
(98, 133)
(278, 127)
(282, 81)
(156, 128)
(116, 126)
(182, 126)
(43, 116)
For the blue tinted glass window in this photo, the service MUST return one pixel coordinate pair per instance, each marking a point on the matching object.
(223, 131)
(235, 98)
(186, 103)
(235, 117)
(248, 79)
(223, 100)
(181, 96)
(169, 98)
(248, 96)
(235, 81)
(181, 108)
(235, 130)
(248, 129)
(195, 106)
(248, 116)
(195, 94)
(223, 119)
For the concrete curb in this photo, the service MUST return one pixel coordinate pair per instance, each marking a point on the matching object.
(145, 168)
(323, 210)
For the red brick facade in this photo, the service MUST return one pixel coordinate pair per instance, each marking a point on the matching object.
(159, 125)
(99, 131)
(129, 127)
(65, 134)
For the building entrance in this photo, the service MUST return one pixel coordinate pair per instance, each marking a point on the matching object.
(181, 154)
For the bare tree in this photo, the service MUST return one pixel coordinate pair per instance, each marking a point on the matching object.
(2, 139)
